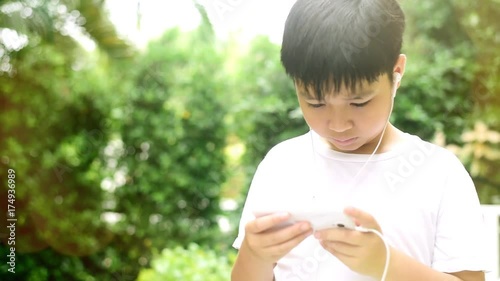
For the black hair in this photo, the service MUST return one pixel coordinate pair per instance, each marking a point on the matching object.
(330, 43)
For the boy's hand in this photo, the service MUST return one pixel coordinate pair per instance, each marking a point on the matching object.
(363, 252)
(269, 244)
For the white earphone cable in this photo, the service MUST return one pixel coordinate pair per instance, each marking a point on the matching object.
(398, 78)
(374, 231)
(387, 248)
(360, 228)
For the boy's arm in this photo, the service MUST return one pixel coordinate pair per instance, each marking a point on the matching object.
(250, 267)
(403, 267)
(470, 275)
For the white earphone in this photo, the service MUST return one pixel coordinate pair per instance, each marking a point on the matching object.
(397, 79)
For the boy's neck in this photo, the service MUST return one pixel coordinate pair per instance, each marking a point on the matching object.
(392, 138)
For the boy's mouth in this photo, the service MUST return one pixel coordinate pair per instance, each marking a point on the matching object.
(343, 142)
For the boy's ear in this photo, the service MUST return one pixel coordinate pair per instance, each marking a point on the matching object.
(399, 69)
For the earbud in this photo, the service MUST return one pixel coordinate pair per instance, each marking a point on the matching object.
(397, 77)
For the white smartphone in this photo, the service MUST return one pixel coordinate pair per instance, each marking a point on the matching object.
(318, 220)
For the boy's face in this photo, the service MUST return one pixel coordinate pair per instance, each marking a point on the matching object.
(350, 121)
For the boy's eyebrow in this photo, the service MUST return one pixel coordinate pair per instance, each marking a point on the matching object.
(306, 94)
(361, 95)
(353, 96)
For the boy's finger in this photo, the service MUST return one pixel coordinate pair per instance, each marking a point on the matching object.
(285, 234)
(291, 243)
(266, 222)
(362, 218)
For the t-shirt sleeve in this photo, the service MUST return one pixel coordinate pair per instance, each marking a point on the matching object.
(252, 198)
(460, 235)
(246, 216)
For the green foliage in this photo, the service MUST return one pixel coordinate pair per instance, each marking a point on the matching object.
(46, 265)
(61, 108)
(52, 21)
(436, 91)
(53, 137)
(480, 21)
(173, 138)
(264, 104)
(191, 264)
(482, 154)
(449, 43)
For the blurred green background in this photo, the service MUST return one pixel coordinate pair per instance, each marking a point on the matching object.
(132, 164)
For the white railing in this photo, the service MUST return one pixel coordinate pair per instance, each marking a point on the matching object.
(492, 220)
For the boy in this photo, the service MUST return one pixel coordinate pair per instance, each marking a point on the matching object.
(344, 57)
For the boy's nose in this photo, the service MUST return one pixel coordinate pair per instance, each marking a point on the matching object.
(339, 121)
(339, 125)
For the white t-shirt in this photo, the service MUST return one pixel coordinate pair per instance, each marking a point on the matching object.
(420, 194)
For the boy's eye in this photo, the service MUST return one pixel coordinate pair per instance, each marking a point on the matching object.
(360, 104)
(316, 105)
